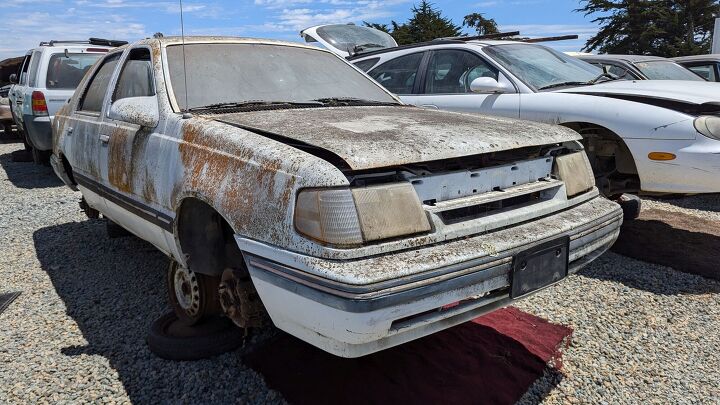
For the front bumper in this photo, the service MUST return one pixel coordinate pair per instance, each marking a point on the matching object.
(39, 131)
(5, 113)
(352, 320)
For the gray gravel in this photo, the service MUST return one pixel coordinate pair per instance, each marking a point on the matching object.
(76, 334)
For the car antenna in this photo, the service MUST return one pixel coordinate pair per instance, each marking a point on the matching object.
(185, 114)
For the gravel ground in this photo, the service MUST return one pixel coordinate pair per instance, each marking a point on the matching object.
(76, 334)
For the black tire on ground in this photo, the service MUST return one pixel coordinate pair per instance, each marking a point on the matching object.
(41, 157)
(199, 294)
(115, 231)
(172, 340)
(631, 206)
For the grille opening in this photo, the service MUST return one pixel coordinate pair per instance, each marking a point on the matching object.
(456, 215)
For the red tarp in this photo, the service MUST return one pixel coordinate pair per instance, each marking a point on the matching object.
(492, 359)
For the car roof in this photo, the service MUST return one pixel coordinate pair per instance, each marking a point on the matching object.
(708, 57)
(440, 42)
(223, 39)
(626, 58)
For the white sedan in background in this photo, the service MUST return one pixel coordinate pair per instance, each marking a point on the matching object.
(641, 136)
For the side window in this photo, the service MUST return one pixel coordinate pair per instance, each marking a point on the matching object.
(398, 75)
(707, 72)
(95, 91)
(452, 71)
(136, 78)
(32, 73)
(619, 71)
(22, 77)
(365, 65)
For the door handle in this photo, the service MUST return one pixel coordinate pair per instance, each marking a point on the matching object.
(69, 130)
(104, 138)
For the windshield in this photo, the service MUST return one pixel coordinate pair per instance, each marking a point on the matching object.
(666, 70)
(347, 37)
(541, 67)
(231, 73)
(65, 72)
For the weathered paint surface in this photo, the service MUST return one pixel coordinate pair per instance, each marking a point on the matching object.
(374, 137)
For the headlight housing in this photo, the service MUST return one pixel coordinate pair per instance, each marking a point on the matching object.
(349, 217)
(575, 171)
(708, 125)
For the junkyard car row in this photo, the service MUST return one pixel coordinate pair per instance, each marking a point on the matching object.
(284, 181)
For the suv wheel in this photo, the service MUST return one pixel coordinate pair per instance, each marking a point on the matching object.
(193, 296)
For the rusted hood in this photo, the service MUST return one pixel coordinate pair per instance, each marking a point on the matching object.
(374, 137)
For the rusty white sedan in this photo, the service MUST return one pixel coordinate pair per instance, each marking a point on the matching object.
(282, 180)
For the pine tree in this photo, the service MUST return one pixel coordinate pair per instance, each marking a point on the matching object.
(652, 27)
(426, 24)
(482, 25)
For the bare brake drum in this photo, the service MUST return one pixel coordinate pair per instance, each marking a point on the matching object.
(240, 300)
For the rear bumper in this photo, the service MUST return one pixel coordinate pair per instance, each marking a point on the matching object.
(39, 131)
(355, 320)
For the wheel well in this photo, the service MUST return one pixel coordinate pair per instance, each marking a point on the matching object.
(610, 158)
(206, 239)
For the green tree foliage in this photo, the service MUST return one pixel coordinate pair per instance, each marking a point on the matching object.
(652, 27)
(426, 24)
(479, 23)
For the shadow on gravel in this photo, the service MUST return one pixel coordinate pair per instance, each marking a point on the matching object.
(705, 202)
(498, 358)
(28, 174)
(114, 289)
(684, 242)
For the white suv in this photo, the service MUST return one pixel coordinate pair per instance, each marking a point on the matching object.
(47, 78)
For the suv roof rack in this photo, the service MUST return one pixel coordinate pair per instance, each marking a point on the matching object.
(549, 39)
(498, 35)
(91, 41)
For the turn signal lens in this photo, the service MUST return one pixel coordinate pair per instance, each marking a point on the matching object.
(662, 156)
(575, 171)
(39, 106)
(328, 216)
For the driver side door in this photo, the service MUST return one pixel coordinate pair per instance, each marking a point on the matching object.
(445, 85)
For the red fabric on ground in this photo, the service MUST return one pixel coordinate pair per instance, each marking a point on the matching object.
(539, 336)
(493, 359)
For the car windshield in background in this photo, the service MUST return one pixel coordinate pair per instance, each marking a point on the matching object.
(354, 39)
(65, 72)
(664, 70)
(236, 73)
(543, 68)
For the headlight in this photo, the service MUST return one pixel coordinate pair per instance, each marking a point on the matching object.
(709, 126)
(575, 171)
(353, 216)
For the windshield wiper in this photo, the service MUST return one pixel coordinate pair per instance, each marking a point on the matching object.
(255, 103)
(554, 85)
(362, 47)
(346, 101)
(609, 78)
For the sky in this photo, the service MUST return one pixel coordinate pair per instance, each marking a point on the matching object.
(27, 22)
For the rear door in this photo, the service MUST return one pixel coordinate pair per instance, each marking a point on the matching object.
(16, 91)
(84, 135)
(445, 84)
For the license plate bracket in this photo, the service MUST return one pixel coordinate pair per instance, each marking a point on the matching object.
(539, 267)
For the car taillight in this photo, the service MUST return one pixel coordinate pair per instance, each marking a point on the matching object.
(39, 106)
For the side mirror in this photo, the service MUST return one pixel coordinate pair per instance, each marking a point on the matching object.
(141, 111)
(13, 78)
(488, 85)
